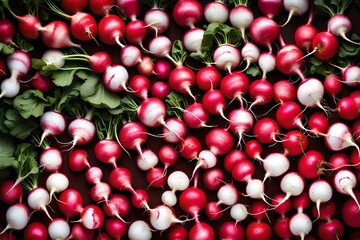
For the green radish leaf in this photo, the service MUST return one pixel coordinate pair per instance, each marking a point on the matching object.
(67, 94)
(91, 80)
(348, 49)
(18, 126)
(24, 44)
(178, 52)
(253, 71)
(37, 63)
(7, 150)
(32, 103)
(6, 49)
(103, 98)
(63, 78)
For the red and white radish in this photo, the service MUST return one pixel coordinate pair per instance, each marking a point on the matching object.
(59, 229)
(344, 182)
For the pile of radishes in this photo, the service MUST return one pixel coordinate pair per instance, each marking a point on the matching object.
(140, 119)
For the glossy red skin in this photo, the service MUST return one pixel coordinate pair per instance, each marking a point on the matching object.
(282, 228)
(160, 90)
(35, 231)
(289, 115)
(258, 210)
(41, 83)
(213, 178)
(331, 230)
(208, 77)
(350, 212)
(140, 198)
(253, 149)
(177, 232)
(56, 34)
(168, 155)
(310, 164)
(258, 230)
(295, 142)
(327, 210)
(338, 160)
(219, 141)
(156, 178)
(111, 27)
(189, 148)
(318, 123)
(10, 194)
(192, 200)
(7, 30)
(355, 128)
(108, 151)
(182, 79)
(234, 85)
(118, 204)
(79, 232)
(231, 231)
(284, 91)
(73, 6)
(78, 160)
(132, 135)
(347, 108)
(3, 68)
(116, 228)
(304, 36)
(213, 211)
(140, 85)
(70, 202)
(265, 130)
(261, 91)
(214, 101)
(28, 25)
(233, 157)
(289, 60)
(201, 231)
(301, 202)
(195, 116)
(284, 207)
(326, 45)
(121, 178)
(97, 215)
(242, 170)
(131, 8)
(101, 7)
(136, 31)
(83, 26)
(264, 31)
(332, 85)
(99, 61)
(187, 12)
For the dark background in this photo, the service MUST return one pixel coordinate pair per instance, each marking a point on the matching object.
(77, 180)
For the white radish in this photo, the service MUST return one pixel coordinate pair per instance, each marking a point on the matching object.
(295, 7)
(178, 181)
(82, 131)
(51, 159)
(227, 57)
(310, 93)
(17, 217)
(192, 39)
(345, 181)
(162, 217)
(292, 184)
(52, 123)
(216, 11)
(238, 212)
(38, 198)
(250, 53)
(275, 164)
(54, 57)
(320, 191)
(56, 183)
(139, 230)
(300, 225)
(339, 137)
(267, 63)
(228, 195)
(59, 229)
(147, 160)
(255, 189)
(169, 198)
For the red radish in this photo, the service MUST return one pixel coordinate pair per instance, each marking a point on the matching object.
(17, 217)
(102, 7)
(94, 175)
(177, 232)
(227, 195)
(253, 149)
(238, 212)
(327, 211)
(192, 200)
(340, 25)
(152, 112)
(241, 121)
(345, 181)
(3, 68)
(59, 229)
(311, 164)
(195, 116)
(261, 91)
(53, 123)
(332, 85)
(339, 160)
(258, 230)
(140, 199)
(40, 82)
(284, 91)
(331, 229)
(160, 90)
(107, 151)
(241, 17)
(232, 158)
(355, 128)
(36, 230)
(318, 123)
(275, 164)
(131, 8)
(82, 130)
(355, 159)
(214, 102)
(92, 217)
(347, 108)
(130, 55)
(72, 7)
(156, 177)
(338, 137)
(8, 32)
(136, 31)
(264, 31)
(78, 231)
(140, 85)
(78, 160)
(117, 206)
(289, 115)
(182, 79)
(213, 178)
(111, 29)
(177, 132)
(258, 210)
(139, 229)
(187, 13)
(267, 63)
(282, 203)
(350, 211)
(132, 135)
(19, 64)
(295, 8)
(242, 171)
(300, 225)
(115, 228)
(162, 68)
(160, 46)
(320, 191)
(208, 77)
(301, 202)
(83, 26)
(121, 178)
(56, 183)
(325, 45)
(70, 202)
(270, 8)
(192, 39)
(56, 34)
(216, 11)
(266, 130)
(145, 66)
(282, 228)
(10, 192)
(201, 231)
(100, 192)
(295, 143)
(219, 141)
(305, 34)
(168, 155)
(255, 189)
(190, 147)
(234, 86)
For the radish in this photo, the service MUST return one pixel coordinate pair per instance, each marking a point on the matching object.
(213, 178)
(177, 132)
(327, 211)
(78, 231)
(17, 217)
(140, 199)
(310, 93)
(282, 228)
(227, 57)
(345, 181)
(131, 8)
(94, 175)
(250, 53)
(38, 199)
(146, 66)
(139, 229)
(300, 225)
(347, 108)
(318, 123)
(59, 229)
(264, 31)
(332, 85)
(115, 228)
(208, 77)
(325, 46)
(214, 102)
(253, 149)
(232, 157)
(53, 123)
(140, 86)
(192, 39)
(255, 189)
(241, 121)
(157, 18)
(100, 191)
(331, 229)
(270, 8)
(19, 64)
(339, 160)
(350, 211)
(193, 200)
(295, 143)
(147, 160)
(305, 34)
(36, 230)
(292, 184)
(10, 192)
(78, 160)
(301, 202)
(216, 11)
(350, 74)
(82, 130)
(168, 155)
(111, 29)
(160, 90)
(177, 232)
(234, 86)
(156, 177)
(132, 135)
(295, 8)
(238, 212)
(227, 195)
(121, 178)
(102, 7)
(267, 63)
(195, 116)
(70, 202)
(242, 170)
(8, 32)
(261, 91)
(162, 68)
(282, 203)
(275, 164)
(320, 191)
(311, 164)
(219, 141)
(213, 211)
(136, 32)
(107, 151)
(41, 82)
(187, 13)
(92, 217)
(56, 34)
(258, 230)
(201, 231)
(56, 183)
(338, 137)
(289, 115)
(190, 147)
(83, 26)
(117, 206)
(115, 78)
(72, 7)
(162, 217)
(241, 17)
(266, 130)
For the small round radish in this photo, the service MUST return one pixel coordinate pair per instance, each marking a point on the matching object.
(40, 82)
(162, 217)
(70, 202)
(338, 137)
(311, 164)
(347, 108)
(130, 55)
(190, 147)
(59, 229)
(115, 228)
(304, 36)
(227, 57)
(146, 66)
(332, 85)
(92, 217)
(261, 91)
(187, 13)
(339, 160)
(350, 211)
(201, 231)
(295, 143)
(136, 31)
(107, 151)
(232, 158)
(289, 115)
(340, 25)
(264, 31)
(282, 228)
(192, 39)
(139, 230)
(131, 8)
(177, 132)
(327, 211)
(258, 230)
(132, 135)
(292, 184)
(266, 130)
(157, 19)
(115, 78)
(111, 29)
(82, 131)
(219, 141)
(241, 121)
(140, 85)
(295, 8)
(300, 225)
(72, 7)
(117, 206)
(290, 59)
(332, 229)
(213, 211)
(345, 181)
(325, 45)
(195, 116)
(160, 90)
(17, 217)
(10, 192)
(242, 170)
(56, 183)
(140, 199)
(320, 191)
(78, 232)
(192, 200)
(267, 63)
(275, 164)
(169, 198)
(310, 93)
(78, 160)
(250, 53)
(38, 199)
(156, 177)
(177, 232)
(228, 195)
(282, 203)
(53, 123)
(147, 160)
(234, 86)
(241, 17)
(214, 102)
(178, 181)
(8, 32)
(253, 149)
(318, 123)
(270, 8)
(216, 12)
(238, 212)
(36, 230)
(102, 7)
(213, 178)
(208, 77)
